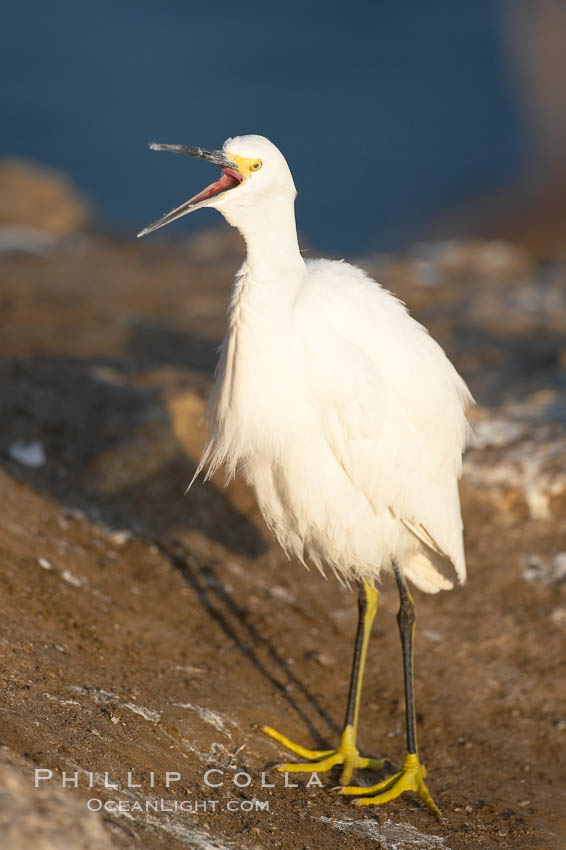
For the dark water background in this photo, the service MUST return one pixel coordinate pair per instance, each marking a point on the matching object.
(389, 112)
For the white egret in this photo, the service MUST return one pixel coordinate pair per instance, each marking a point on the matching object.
(347, 420)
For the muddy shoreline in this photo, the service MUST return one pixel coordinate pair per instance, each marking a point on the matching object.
(144, 632)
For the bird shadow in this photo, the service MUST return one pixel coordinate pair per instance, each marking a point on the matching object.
(235, 622)
(86, 412)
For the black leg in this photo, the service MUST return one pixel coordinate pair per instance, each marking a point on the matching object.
(406, 621)
(347, 753)
(367, 599)
(411, 777)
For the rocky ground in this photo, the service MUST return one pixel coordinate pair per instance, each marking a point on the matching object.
(144, 632)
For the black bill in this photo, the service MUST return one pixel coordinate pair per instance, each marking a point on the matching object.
(229, 180)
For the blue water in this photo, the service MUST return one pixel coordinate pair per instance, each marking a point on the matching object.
(389, 112)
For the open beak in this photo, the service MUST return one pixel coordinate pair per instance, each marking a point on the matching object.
(231, 178)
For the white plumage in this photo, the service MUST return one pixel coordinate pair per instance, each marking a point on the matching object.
(347, 420)
(345, 416)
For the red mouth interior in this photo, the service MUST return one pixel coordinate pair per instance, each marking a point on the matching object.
(229, 180)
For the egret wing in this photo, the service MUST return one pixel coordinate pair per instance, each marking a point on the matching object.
(392, 408)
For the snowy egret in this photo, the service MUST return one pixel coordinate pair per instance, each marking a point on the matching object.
(347, 420)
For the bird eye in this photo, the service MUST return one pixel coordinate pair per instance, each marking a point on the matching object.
(255, 166)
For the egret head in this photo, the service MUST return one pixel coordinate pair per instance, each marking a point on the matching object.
(253, 170)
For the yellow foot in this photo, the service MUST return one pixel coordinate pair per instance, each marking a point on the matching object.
(346, 754)
(410, 778)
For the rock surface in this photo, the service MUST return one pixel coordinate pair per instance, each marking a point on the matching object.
(144, 633)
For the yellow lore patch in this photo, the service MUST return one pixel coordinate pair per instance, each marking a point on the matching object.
(244, 165)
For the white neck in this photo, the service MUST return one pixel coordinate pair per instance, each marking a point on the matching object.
(271, 238)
